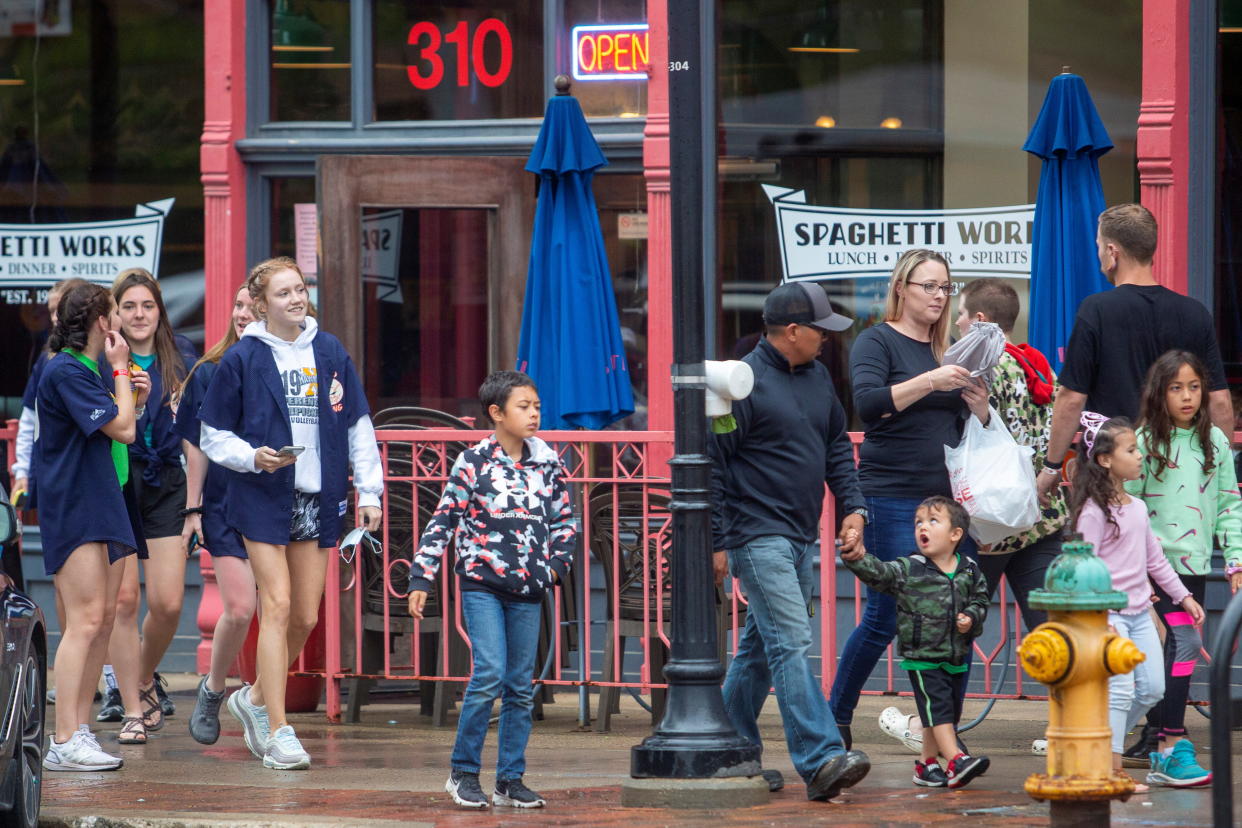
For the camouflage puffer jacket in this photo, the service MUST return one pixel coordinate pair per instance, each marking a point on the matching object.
(928, 602)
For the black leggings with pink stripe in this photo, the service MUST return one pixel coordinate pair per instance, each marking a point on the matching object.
(1181, 651)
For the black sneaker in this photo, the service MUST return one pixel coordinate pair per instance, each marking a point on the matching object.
(774, 778)
(841, 771)
(465, 789)
(1138, 754)
(965, 767)
(512, 793)
(113, 709)
(205, 718)
(930, 774)
(166, 704)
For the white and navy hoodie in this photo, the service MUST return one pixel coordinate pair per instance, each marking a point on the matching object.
(511, 521)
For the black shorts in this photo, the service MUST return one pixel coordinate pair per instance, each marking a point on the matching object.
(160, 506)
(938, 695)
(305, 523)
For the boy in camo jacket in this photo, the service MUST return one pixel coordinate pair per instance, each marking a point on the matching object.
(942, 600)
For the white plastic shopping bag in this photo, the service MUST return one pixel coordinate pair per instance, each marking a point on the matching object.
(994, 479)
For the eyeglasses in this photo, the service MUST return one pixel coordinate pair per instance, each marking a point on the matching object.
(930, 288)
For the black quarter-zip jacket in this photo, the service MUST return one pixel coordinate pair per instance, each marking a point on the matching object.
(768, 475)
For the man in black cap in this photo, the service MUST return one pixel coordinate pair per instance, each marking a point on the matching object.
(768, 480)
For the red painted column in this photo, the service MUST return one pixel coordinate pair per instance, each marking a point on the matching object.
(224, 212)
(659, 238)
(1164, 133)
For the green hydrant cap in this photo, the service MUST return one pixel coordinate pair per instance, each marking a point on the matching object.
(1077, 580)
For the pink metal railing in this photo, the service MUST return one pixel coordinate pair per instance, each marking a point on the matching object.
(613, 465)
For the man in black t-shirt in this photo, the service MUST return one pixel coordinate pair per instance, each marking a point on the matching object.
(1119, 333)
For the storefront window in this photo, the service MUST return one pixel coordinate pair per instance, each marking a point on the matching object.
(1228, 310)
(606, 50)
(310, 60)
(452, 61)
(833, 64)
(102, 112)
(425, 307)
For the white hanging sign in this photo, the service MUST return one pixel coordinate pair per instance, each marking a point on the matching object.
(381, 252)
(40, 255)
(822, 243)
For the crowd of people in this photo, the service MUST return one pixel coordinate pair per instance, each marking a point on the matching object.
(134, 449)
(1153, 488)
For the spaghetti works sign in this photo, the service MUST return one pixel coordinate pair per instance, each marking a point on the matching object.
(824, 243)
(40, 255)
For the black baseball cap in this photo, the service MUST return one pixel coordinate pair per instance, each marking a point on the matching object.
(803, 303)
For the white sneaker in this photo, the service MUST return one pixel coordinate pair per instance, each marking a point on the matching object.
(80, 753)
(285, 752)
(1039, 747)
(906, 729)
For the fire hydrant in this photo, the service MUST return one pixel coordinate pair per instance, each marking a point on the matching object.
(1074, 653)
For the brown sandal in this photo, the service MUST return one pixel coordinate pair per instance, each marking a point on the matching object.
(133, 732)
(152, 713)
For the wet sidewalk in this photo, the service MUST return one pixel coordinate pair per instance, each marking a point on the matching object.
(390, 769)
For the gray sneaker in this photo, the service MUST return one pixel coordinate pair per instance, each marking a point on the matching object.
(255, 727)
(205, 719)
(285, 752)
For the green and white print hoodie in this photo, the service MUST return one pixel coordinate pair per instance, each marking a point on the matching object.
(1188, 507)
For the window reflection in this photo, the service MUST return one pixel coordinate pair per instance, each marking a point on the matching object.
(835, 64)
(607, 98)
(447, 61)
(310, 60)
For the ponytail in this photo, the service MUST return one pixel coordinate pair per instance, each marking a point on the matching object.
(76, 312)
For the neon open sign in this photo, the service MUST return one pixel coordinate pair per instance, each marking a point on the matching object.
(615, 52)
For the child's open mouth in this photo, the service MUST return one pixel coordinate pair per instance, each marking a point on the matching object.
(924, 539)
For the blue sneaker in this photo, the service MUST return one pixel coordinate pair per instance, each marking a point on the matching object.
(1179, 769)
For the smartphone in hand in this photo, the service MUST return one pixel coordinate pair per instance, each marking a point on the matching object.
(291, 451)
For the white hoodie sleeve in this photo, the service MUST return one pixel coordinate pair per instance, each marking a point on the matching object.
(364, 457)
(227, 449)
(25, 443)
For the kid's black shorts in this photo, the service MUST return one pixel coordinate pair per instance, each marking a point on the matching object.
(938, 695)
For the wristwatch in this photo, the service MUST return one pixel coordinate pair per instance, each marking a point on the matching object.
(862, 510)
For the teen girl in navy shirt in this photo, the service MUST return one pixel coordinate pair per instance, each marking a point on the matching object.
(206, 490)
(158, 484)
(287, 384)
(81, 421)
(22, 469)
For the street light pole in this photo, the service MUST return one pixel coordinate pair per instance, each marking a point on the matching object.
(695, 739)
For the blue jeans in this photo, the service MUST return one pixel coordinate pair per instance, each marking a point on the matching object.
(504, 637)
(777, 575)
(889, 535)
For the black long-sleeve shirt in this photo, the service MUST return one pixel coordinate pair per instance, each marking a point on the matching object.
(902, 454)
(768, 476)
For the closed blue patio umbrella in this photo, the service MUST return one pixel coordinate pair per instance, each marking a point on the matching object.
(571, 338)
(1070, 137)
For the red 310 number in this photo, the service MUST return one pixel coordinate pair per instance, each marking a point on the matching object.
(428, 38)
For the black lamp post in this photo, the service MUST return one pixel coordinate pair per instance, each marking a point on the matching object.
(695, 739)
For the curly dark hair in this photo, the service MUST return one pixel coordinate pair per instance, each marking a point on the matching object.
(1154, 413)
(1091, 480)
(76, 312)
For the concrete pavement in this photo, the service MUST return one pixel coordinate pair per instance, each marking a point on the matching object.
(391, 767)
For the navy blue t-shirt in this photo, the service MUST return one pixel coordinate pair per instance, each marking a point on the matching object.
(218, 536)
(78, 495)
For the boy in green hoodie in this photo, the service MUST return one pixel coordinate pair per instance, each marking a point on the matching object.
(942, 601)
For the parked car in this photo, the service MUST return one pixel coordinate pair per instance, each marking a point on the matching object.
(23, 681)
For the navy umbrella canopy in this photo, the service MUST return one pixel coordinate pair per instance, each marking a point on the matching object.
(1070, 137)
(571, 338)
